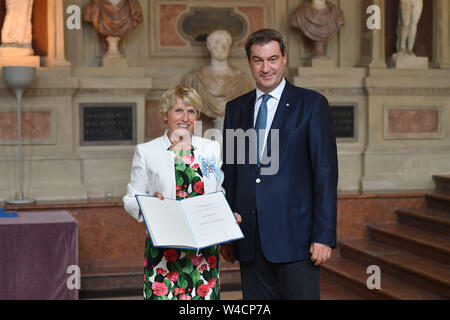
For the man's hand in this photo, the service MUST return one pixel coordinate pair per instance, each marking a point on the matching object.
(320, 253)
(227, 249)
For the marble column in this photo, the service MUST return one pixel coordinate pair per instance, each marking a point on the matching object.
(55, 28)
(378, 36)
(441, 52)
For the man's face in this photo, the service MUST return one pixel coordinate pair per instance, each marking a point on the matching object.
(267, 65)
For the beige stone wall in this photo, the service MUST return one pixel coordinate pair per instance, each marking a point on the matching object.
(394, 147)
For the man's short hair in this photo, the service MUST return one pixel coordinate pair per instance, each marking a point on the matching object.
(264, 36)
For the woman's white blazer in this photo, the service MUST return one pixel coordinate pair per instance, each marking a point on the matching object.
(153, 170)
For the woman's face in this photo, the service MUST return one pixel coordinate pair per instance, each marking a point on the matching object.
(180, 117)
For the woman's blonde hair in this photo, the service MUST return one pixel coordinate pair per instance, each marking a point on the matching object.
(187, 94)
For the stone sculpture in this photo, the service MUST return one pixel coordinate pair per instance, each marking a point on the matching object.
(113, 19)
(16, 30)
(408, 18)
(218, 82)
(319, 20)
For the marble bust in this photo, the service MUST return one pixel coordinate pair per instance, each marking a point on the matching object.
(113, 19)
(319, 20)
(17, 30)
(218, 82)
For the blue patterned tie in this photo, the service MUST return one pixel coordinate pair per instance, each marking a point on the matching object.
(261, 123)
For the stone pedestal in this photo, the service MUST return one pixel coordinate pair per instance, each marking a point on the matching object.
(30, 61)
(15, 51)
(407, 61)
(321, 63)
(15, 56)
(113, 47)
(114, 61)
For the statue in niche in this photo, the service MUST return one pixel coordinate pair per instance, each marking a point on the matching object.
(319, 20)
(16, 30)
(218, 82)
(408, 18)
(113, 19)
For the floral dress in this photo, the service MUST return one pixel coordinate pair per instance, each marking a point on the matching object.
(178, 274)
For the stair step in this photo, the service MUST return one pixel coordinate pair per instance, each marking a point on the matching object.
(108, 282)
(438, 200)
(427, 219)
(230, 275)
(442, 183)
(353, 275)
(332, 291)
(423, 243)
(426, 273)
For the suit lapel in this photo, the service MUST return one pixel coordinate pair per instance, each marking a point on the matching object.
(282, 114)
(248, 115)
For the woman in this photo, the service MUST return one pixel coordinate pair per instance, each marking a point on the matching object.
(177, 165)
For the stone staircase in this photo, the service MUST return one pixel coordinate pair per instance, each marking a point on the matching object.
(413, 254)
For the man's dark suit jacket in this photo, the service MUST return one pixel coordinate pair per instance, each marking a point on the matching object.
(297, 205)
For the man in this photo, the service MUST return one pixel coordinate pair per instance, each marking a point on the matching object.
(288, 218)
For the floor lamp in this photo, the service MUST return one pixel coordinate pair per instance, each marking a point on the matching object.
(18, 79)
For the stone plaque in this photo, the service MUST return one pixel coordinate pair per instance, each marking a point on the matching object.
(106, 124)
(344, 120)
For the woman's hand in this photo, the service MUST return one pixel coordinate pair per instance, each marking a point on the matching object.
(238, 217)
(159, 195)
(181, 139)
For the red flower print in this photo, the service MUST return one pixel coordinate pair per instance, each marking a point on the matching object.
(178, 187)
(199, 187)
(171, 255)
(172, 276)
(187, 159)
(145, 262)
(212, 262)
(196, 260)
(182, 194)
(212, 283)
(159, 289)
(161, 271)
(178, 291)
(195, 166)
(203, 290)
(202, 267)
(185, 297)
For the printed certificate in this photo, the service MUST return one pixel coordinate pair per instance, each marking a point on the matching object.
(192, 223)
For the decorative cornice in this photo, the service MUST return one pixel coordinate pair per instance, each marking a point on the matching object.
(409, 91)
(113, 91)
(43, 92)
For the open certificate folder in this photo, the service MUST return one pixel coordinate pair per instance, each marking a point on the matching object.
(192, 223)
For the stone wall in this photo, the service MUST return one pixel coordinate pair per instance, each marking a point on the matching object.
(401, 116)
